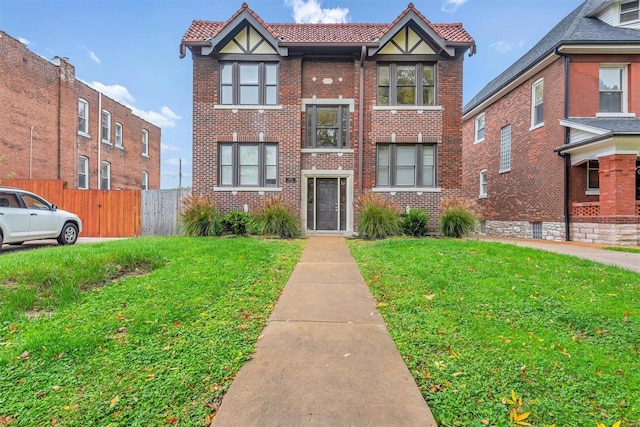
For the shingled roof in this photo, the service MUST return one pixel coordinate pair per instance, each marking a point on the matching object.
(579, 27)
(200, 31)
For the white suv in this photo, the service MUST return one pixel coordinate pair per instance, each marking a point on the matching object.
(27, 216)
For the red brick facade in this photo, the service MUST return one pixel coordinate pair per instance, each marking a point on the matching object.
(39, 125)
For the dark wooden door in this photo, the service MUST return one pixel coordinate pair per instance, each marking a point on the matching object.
(327, 204)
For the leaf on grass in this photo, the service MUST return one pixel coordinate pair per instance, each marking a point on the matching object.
(617, 424)
(6, 420)
(115, 400)
(172, 420)
(24, 356)
(71, 408)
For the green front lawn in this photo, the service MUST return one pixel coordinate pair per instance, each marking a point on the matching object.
(146, 331)
(475, 321)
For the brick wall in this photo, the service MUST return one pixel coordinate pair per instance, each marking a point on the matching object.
(44, 95)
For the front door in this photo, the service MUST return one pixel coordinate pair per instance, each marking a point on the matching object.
(326, 204)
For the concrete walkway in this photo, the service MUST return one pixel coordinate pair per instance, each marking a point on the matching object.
(626, 260)
(325, 358)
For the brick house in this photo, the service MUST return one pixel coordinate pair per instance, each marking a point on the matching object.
(321, 113)
(551, 145)
(53, 126)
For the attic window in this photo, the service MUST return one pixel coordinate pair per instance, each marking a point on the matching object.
(629, 11)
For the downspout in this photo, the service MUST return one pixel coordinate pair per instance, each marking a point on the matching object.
(567, 158)
(60, 73)
(363, 53)
(99, 139)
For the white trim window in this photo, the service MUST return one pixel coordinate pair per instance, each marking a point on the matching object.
(613, 89)
(145, 142)
(105, 176)
(248, 83)
(106, 126)
(248, 164)
(83, 173)
(537, 104)
(593, 177)
(479, 133)
(629, 11)
(118, 129)
(406, 165)
(483, 184)
(505, 149)
(145, 180)
(83, 117)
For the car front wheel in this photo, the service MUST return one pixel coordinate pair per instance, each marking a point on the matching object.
(0, 241)
(68, 235)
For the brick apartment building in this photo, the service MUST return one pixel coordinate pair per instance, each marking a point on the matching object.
(551, 145)
(321, 113)
(53, 126)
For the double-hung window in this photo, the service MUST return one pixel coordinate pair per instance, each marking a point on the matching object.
(145, 180)
(327, 126)
(612, 89)
(83, 173)
(629, 11)
(106, 126)
(406, 84)
(248, 83)
(145, 142)
(105, 176)
(483, 184)
(118, 129)
(593, 177)
(505, 149)
(83, 116)
(248, 164)
(406, 165)
(479, 133)
(537, 104)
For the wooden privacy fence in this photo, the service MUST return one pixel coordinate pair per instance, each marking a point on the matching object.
(113, 213)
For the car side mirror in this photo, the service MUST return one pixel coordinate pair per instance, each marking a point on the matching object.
(54, 207)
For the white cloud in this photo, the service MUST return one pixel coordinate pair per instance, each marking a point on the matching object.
(166, 118)
(311, 12)
(169, 147)
(24, 41)
(504, 46)
(452, 5)
(91, 54)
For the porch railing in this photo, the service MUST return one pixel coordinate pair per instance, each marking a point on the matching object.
(593, 209)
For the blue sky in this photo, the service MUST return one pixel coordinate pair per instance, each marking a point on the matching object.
(128, 49)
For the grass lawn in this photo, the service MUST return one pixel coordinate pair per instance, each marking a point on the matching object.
(622, 249)
(146, 331)
(475, 321)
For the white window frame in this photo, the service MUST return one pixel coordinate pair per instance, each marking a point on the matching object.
(536, 121)
(145, 143)
(83, 170)
(625, 91)
(118, 135)
(145, 180)
(480, 125)
(634, 8)
(505, 149)
(105, 174)
(106, 127)
(592, 191)
(85, 130)
(482, 194)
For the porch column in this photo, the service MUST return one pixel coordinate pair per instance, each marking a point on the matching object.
(618, 185)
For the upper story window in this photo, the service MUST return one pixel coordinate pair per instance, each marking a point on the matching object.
(327, 126)
(105, 176)
(83, 116)
(406, 165)
(613, 89)
(406, 84)
(537, 104)
(479, 133)
(248, 164)
(145, 180)
(505, 149)
(629, 11)
(483, 184)
(248, 83)
(118, 129)
(145, 142)
(83, 173)
(106, 126)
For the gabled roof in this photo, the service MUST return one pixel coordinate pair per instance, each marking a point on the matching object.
(202, 33)
(580, 27)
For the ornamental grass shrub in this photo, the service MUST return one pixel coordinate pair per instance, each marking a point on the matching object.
(200, 217)
(275, 217)
(379, 217)
(458, 218)
(415, 222)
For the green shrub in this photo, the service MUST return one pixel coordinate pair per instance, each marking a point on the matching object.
(275, 217)
(199, 217)
(379, 217)
(414, 223)
(235, 222)
(457, 222)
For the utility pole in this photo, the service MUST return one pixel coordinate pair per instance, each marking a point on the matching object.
(180, 173)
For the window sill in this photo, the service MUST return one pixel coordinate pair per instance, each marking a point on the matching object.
(482, 196)
(338, 151)
(84, 134)
(615, 114)
(247, 107)
(104, 141)
(477, 141)
(592, 193)
(504, 170)
(418, 190)
(538, 126)
(418, 108)
(259, 190)
(145, 155)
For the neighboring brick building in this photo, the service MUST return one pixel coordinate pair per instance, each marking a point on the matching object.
(321, 113)
(53, 126)
(551, 145)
